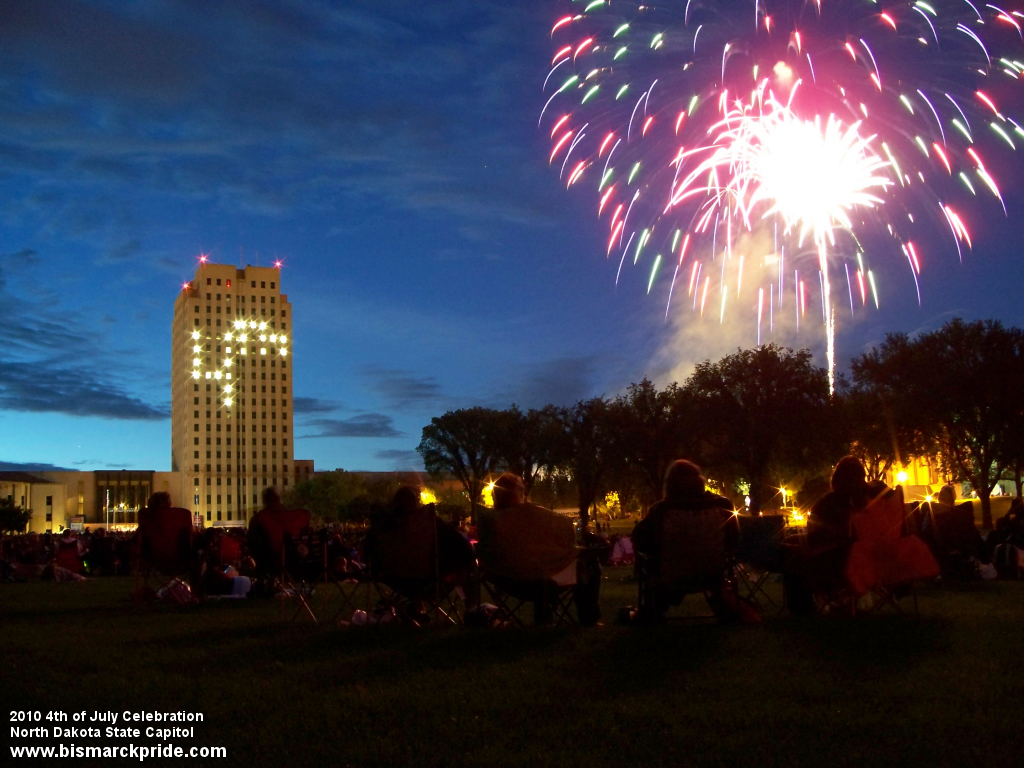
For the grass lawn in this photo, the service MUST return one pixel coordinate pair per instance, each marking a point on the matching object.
(941, 690)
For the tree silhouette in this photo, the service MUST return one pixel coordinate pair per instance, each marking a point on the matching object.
(466, 443)
(766, 415)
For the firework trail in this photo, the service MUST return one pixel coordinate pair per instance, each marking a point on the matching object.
(814, 124)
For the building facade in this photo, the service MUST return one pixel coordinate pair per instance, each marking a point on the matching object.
(231, 391)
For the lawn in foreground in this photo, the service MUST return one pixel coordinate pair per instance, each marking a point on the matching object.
(940, 690)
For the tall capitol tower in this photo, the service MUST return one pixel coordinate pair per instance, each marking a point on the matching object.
(231, 401)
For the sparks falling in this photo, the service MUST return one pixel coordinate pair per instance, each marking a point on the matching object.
(815, 128)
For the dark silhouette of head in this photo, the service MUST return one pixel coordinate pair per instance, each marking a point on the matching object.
(508, 490)
(406, 500)
(159, 500)
(271, 498)
(683, 480)
(849, 477)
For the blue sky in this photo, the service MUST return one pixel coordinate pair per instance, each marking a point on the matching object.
(388, 154)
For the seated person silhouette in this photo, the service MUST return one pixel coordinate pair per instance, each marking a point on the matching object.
(400, 546)
(819, 566)
(528, 545)
(685, 545)
(829, 535)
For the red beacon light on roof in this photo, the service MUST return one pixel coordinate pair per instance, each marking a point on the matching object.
(277, 264)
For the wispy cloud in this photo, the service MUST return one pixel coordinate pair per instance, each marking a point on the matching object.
(400, 460)
(51, 386)
(315, 405)
(364, 425)
(13, 466)
(402, 389)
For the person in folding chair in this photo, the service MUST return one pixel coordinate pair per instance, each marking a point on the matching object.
(164, 546)
(420, 558)
(685, 545)
(530, 553)
(829, 536)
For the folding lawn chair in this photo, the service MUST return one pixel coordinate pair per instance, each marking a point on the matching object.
(951, 535)
(164, 546)
(528, 554)
(288, 553)
(556, 595)
(403, 555)
(68, 557)
(883, 560)
(693, 558)
(759, 555)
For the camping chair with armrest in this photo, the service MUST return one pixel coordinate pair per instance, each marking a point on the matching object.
(512, 595)
(759, 554)
(953, 538)
(883, 560)
(518, 550)
(68, 557)
(403, 555)
(164, 546)
(285, 553)
(693, 558)
(305, 563)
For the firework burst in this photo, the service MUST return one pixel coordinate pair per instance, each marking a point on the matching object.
(812, 124)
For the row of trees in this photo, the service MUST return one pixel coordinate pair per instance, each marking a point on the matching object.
(748, 419)
(955, 394)
(762, 418)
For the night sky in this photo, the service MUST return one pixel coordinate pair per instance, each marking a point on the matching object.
(388, 154)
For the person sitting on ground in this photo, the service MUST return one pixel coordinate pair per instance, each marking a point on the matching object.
(685, 494)
(527, 544)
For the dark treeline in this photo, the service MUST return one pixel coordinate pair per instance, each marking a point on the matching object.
(759, 420)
